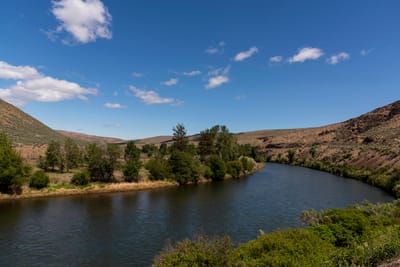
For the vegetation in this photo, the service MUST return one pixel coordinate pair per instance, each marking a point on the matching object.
(13, 169)
(39, 180)
(80, 178)
(364, 235)
(184, 167)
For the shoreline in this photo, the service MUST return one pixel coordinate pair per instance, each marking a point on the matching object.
(106, 188)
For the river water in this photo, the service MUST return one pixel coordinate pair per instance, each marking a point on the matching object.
(128, 229)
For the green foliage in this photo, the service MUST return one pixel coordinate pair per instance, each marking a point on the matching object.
(149, 149)
(54, 156)
(113, 153)
(163, 149)
(80, 178)
(184, 168)
(73, 156)
(218, 167)
(158, 169)
(180, 138)
(291, 156)
(100, 165)
(247, 163)
(201, 251)
(13, 170)
(226, 145)
(234, 168)
(131, 170)
(365, 235)
(39, 180)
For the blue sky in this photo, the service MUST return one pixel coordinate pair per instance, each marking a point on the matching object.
(134, 69)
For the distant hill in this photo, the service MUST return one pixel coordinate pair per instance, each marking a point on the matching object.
(91, 138)
(23, 129)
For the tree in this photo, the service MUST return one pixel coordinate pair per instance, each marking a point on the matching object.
(113, 153)
(184, 168)
(158, 168)
(234, 168)
(80, 178)
(131, 152)
(207, 143)
(100, 167)
(39, 180)
(13, 170)
(131, 170)
(217, 166)
(291, 156)
(163, 149)
(247, 164)
(72, 154)
(181, 141)
(54, 156)
(226, 145)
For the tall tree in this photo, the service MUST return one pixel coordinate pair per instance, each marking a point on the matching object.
(54, 156)
(13, 170)
(180, 138)
(131, 151)
(72, 154)
(132, 162)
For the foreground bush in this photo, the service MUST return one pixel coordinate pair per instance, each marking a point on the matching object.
(202, 251)
(39, 180)
(365, 235)
(80, 178)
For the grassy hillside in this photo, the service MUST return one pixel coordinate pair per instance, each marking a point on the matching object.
(22, 128)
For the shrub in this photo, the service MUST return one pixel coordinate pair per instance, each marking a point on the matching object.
(247, 163)
(217, 166)
(234, 168)
(39, 180)
(202, 251)
(131, 171)
(184, 168)
(158, 168)
(80, 178)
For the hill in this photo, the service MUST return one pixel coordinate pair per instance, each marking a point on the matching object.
(86, 138)
(23, 129)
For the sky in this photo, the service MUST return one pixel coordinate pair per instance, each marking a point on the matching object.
(135, 69)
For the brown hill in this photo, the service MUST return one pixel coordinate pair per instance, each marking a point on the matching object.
(23, 129)
(86, 138)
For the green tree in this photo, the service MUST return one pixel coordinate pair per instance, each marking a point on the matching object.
(184, 168)
(234, 168)
(80, 178)
(131, 152)
(54, 156)
(39, 180)
(113, 153)
(13, 170)
(180, 138)
(227, 145)
(158, 169)
(131, 170)
(207, 140)
(72, 154)
(247, 163)
(163, 149)
(100, 167)
(217, 166)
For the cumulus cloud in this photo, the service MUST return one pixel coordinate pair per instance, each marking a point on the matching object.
(34, 86)
(170, 82)
(275, 59)
(335, 59)
(114, 105)
(84, 20)
(8, 71)
(150, 97)
(137, 74)
(216, 81)
(192, 73)
(246, 54)
(307, 53)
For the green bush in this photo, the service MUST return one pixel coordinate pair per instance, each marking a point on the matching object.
(158, 169)
(202, 251)
(131, 171)
(80, 178)
(217, 166)
(39, 180)
(234, 168)
(184, 167)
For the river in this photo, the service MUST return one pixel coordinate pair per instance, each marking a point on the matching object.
(128, 229)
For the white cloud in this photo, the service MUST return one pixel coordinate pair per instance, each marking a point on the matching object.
(34, 86)
(192, 73)
(170, 82)
(275, 59)
(151, 97)
(137, 74)
(365, 52)
(84, 20)
(333, 60)
(307, 53)
(246, 54)
(8, 71)
(216, 81)
(114, 105)
(220, 71)
(219, 49)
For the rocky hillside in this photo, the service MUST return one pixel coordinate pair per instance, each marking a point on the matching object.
(371, 140)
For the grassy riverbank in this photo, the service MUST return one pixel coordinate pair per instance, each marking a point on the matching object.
(66, 189)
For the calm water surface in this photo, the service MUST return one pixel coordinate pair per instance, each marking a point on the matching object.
(128, 229)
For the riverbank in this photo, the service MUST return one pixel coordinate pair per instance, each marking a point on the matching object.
(103, 188)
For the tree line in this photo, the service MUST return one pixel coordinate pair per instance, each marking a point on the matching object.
(216, 156)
